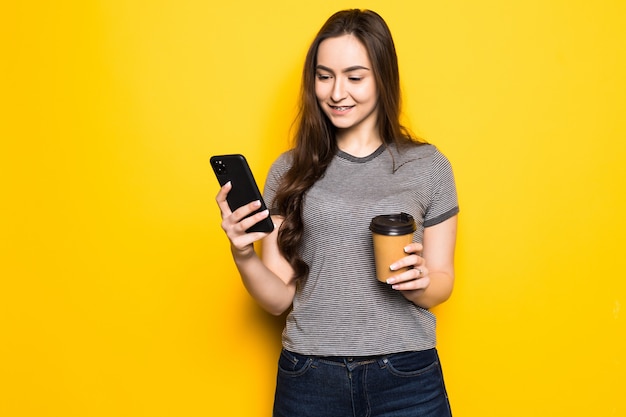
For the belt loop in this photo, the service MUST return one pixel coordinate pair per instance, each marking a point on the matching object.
(383, 361)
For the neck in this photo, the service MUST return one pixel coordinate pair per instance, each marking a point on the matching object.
(358, 145)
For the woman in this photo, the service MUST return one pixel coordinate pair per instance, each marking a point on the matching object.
(352, 345)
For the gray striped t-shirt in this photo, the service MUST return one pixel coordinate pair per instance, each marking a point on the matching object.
(340, 308)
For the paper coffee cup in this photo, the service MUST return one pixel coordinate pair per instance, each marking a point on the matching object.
(390, 234)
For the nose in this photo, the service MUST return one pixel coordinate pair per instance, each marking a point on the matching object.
(338, 93)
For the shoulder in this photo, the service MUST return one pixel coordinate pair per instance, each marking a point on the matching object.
(420, 153)
(277, 170)
(284, 160)
(416, 150)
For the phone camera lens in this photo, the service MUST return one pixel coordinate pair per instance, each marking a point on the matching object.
(220, 168)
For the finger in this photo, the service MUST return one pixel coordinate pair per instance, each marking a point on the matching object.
(236, 230)
(245, 210)
(412, 274)
(248, 222)
(221, 199)
(414, 247)
(416, 284)
(410, 261)
(238, 223)
(243, 242)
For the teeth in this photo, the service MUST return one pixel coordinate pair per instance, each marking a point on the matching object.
(341, 108)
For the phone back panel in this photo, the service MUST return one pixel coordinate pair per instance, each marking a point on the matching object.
(235, 168)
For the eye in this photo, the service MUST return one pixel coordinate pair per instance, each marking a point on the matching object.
(354, 78)
(323, 77)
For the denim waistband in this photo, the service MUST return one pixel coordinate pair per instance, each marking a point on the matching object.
(364, 359)
(351, 359)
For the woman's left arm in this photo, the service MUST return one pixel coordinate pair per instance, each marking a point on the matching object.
(430, 280)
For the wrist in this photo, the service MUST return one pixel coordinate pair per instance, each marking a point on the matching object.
(243, 254)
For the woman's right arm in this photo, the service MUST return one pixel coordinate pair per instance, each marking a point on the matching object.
(268, 280)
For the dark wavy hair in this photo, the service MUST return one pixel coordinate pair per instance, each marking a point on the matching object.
(315, 142)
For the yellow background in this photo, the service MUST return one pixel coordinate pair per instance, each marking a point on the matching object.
(117, 293)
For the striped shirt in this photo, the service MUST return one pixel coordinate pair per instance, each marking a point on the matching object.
(340, 308)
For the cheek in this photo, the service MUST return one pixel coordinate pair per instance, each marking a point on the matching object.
(321, 91)
(365, 93)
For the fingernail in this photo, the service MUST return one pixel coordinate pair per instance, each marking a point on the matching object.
(406, 249)
(393, 267)
(391, 281)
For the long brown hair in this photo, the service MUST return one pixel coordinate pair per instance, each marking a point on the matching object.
(315, 143)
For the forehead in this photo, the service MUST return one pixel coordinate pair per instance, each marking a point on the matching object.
(342, 52)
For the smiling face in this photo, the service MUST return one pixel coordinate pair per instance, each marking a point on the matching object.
(345, 86)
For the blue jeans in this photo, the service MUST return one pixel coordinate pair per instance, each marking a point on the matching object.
(408, 384)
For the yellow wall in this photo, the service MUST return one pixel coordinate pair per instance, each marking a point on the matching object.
(117, 294)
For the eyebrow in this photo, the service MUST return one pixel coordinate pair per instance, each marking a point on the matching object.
(349, 69)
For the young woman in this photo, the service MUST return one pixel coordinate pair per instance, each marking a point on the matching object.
(352, 346)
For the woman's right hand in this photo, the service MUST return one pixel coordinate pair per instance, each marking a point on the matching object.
(235, 222)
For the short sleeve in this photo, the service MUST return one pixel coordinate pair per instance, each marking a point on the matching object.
(444, 201)
(272, 182)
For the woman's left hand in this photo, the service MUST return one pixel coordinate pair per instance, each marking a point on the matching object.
(414, 278)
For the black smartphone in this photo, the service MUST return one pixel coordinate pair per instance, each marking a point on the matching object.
(235, 168)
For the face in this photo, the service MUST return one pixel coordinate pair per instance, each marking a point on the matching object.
(345, 86)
